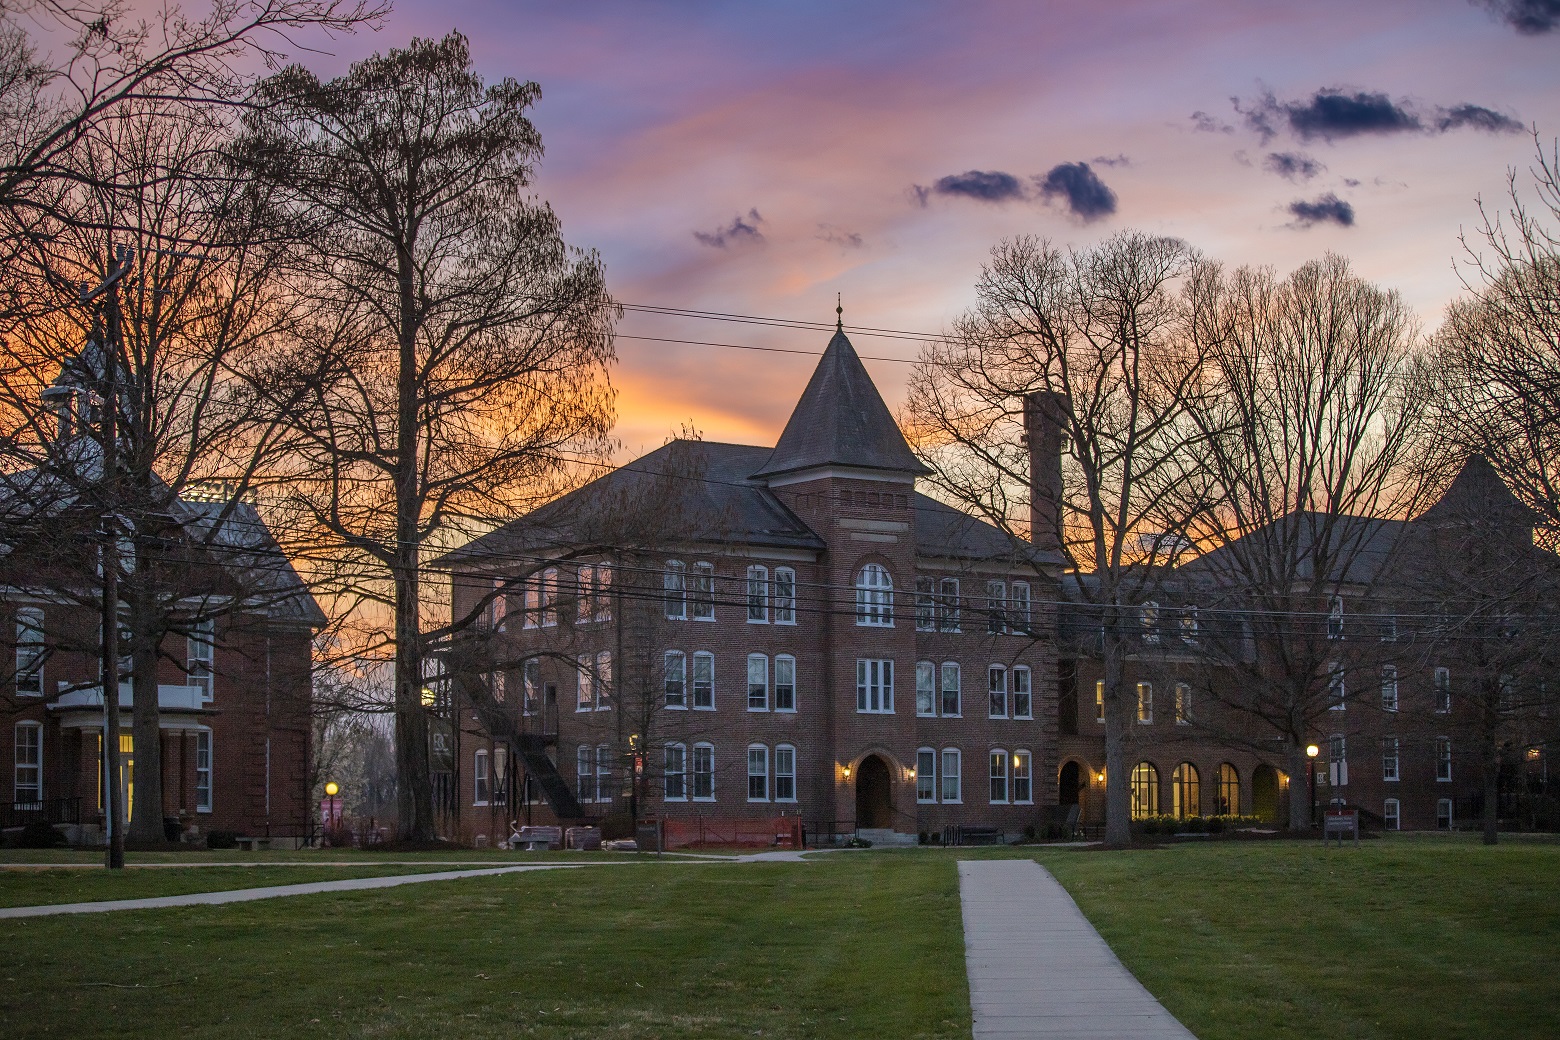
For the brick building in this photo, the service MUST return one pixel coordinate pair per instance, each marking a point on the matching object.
(232, 671)
(723, 633)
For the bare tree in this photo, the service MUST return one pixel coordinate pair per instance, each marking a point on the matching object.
(1096, 341)
(1309, 434)
(459, 360)
(1495, 369)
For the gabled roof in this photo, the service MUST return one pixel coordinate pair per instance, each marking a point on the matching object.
(1352, 550)
(841, 420)
(243, 543)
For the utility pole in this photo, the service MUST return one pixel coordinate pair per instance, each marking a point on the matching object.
(113, 789)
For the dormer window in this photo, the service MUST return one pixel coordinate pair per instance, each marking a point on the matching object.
(1149, 618)
(1335, 618)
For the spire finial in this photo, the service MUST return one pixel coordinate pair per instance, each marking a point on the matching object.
(839, 313)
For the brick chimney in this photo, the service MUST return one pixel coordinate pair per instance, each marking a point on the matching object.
(1045, 414)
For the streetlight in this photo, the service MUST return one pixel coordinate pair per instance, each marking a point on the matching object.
(1311, 751)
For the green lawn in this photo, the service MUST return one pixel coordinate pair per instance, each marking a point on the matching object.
(1415, 938)
(61, 885)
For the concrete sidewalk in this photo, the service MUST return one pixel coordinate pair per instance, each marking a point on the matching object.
(1037, 967)
(244, 895)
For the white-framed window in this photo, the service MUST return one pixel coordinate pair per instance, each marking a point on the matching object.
(948, 605)
(1443, 814)
(30, 650)
(585, 668)
(200, 654)
(1337, 690)
(785, 682)
(1148, 618)
(704, 680)
(874, 686)
(594, 601)
(604, 681)
(925, 688)
(926, 774)
(1191, 625)
(1018, 607)
(1443, 690)
(585, 774)
(1389, 687)
(1392, 814)
(952, 705)
(785, 773)
(1183, 704)
(27, 780)
(481, 787)
(757, 773)
(925, 604)
(500, 776)
(1443, 760)
(585, 592)
(1389, 759)
(1145, 703)
(996, 683)
(1099, 700)
(874, 596)
(203, 765)
(703, 591)
(603, 773)
(1337, 761)
(675, 773)
(1389, 628)
(531, 601)
(1023, 790)
(758, 682)
(531, 679)
(999, 776)
(674, 590)
(674, 670)
(704, 772)
(758, 595)
(1023, 694)
(996, 607)
(785, 596)
(498, 606)
(498, 685)
(1335, 618)
(549, 606)
(951, 769)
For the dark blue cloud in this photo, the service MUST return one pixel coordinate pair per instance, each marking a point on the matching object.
(1529, 17)
(1477, 117)
(1119, 159)
(740, 230)
(1329, 209)
(839, 236)
(985, 185)
(1203, 123)
(1080, 188)
(1295, 166)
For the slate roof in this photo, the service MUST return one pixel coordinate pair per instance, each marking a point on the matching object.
(245, 547)
(699, 491)
(841, 420)
(1478, 495)
(1357, 548)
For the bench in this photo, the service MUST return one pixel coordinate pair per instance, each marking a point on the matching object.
(976, 836)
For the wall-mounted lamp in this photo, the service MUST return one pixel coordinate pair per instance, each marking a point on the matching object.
(845, 771)
(1101, 777)
(1311, 751)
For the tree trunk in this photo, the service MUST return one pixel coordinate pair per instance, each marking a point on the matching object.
(414, 790)
(1490, 754)
(1301, 808)
(1118, 780)
(146, 820)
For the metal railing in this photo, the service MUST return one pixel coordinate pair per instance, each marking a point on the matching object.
(46, 810)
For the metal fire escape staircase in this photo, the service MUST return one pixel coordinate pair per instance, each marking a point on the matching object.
(528, 737)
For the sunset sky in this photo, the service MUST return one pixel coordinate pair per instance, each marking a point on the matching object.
(758, 158)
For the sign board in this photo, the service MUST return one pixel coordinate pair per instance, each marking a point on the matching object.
(330, 811)
(1341, 822)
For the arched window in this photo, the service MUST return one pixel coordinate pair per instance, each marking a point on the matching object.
(1145, 791)
(1186, 791)
(874, 596)
(1229, 790)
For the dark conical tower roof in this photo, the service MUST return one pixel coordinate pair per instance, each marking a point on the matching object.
(1478, 494)
(841, 420)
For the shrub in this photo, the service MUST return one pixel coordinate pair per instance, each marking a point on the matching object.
(37, 834)
(1214, 824)
(1194, 825)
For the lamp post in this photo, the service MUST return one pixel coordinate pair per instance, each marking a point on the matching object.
(1311, 751)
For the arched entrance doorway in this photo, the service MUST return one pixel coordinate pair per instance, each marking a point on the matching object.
(1069, 786)
(1264, 793)
(874, 794)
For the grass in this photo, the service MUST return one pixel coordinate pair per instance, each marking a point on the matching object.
(835, 949)
(61, 885)
(236, 857)
(1408, 937)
